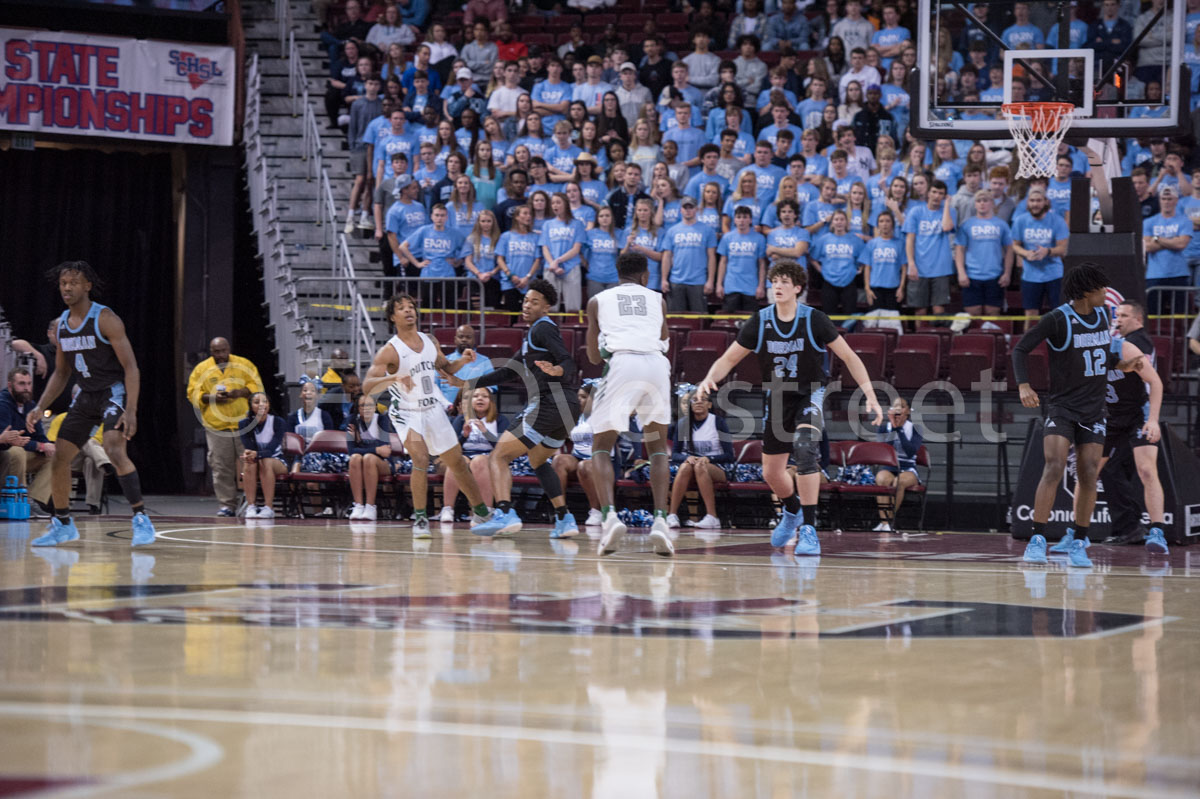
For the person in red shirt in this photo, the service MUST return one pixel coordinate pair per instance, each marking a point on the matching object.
(509, 47)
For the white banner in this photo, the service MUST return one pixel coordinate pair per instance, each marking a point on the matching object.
(83, 85)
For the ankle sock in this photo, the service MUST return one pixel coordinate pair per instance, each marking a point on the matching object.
(810, 515)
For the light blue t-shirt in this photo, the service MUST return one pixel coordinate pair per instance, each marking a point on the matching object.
(436, 246)
(811, 111)
(559, 236)
(1190, 207)
(520, 251)
(789, 237)
(771, 133)
(932, 245)
(591, 95)
(462, 218)
(390, 143)
(696, 185)
(1032, 233)
(593, 191)
(764, 100)
(689, 140)
(742, 253)
(651, 241)
(536, 144)
(886, 37)
(838, 256)
(731, 205)
(710, 217)
(1058, 192)
(886, 257)
(555, 93)
(767, 178)
(689, 246)
(601, 252)
(404, 220)
(562, 158)
(1016, 35)
(984, 240)
(951, 174)
(585, 214)
(1167, 263)
(816, 164)
(1077, 35)
(818, 211)
(672, 214)
(486, 260)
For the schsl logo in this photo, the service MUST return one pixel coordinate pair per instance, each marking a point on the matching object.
(197, 69)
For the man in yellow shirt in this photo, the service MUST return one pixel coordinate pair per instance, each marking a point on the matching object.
(220, 388)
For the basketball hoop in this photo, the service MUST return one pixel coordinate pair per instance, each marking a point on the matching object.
(1038, 129)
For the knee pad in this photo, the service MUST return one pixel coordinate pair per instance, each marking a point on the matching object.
(808, 457)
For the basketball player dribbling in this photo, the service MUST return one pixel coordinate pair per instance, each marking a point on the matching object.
(93, 344)
(407, 366)
(627, 327)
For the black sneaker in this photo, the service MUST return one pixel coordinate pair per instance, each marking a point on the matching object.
(93, 510)
(1134, 537)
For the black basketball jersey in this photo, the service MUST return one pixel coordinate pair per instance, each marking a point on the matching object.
(1081, 353)
(1127, 395)
(89, 352)
(543, 342)
(793, 351)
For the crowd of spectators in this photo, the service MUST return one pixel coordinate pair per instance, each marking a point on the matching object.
(503, 162)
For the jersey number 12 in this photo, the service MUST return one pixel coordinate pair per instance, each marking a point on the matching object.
(1095, 362)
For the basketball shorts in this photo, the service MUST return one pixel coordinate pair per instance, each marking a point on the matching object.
(786, 411)
(89, 410)
(547, 421)
(1122, 432)
(431, 424)
(1077, 432)
(634, 382)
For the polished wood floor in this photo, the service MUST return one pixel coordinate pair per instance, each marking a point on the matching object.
(319, 659)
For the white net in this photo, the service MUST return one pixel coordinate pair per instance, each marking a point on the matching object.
(1038, 129)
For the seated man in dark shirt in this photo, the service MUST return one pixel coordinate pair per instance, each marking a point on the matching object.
(900, 432)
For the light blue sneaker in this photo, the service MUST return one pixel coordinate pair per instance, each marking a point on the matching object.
(500, 524)
(143, 530)
(1156, 542)
(58, 533)
(565, 527)
(786, 528)
(1064, 544)
(1078, 554)
(808, 544)
(1035, 550)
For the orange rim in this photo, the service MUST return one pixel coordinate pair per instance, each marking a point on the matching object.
(1043, 117)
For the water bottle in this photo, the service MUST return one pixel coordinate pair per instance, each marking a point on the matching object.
(20, 505)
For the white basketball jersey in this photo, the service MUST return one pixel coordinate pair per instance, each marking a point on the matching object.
(420, 366)
(631, 318)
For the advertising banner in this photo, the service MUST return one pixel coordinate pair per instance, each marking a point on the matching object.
(83, 85)
(1177, 470)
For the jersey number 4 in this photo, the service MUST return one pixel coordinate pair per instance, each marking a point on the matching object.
(631, 305)
(1095, 362)
(81, 365)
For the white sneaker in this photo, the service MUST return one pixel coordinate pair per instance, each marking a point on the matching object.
(614, 531)
(883, 527)
(447, 516)
(356, 512)
(365, 221)
(266, 513)
(672, 521)
(594, 519)
(251, 512)
(349, 228)
(420, 528)
(369, 514)
(709, 522)
(660, 538)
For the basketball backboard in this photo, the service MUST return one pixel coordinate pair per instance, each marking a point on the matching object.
(1045, 51)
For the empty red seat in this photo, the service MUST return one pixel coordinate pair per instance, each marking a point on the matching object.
(709, 339)
(916, 360)
(970, 355)
(693, 363)
(871, 349)
(494, 353)
(748, 371)
(444, 336)
(1037, 364)
(510, 337)
(685, 322)
(1164, 358)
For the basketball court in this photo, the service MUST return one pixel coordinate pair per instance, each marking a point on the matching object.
(230, 659)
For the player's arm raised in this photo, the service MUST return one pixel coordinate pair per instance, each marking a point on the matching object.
(858, 371)
(112, 328)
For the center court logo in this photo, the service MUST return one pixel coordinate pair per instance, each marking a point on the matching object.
(196, 69)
